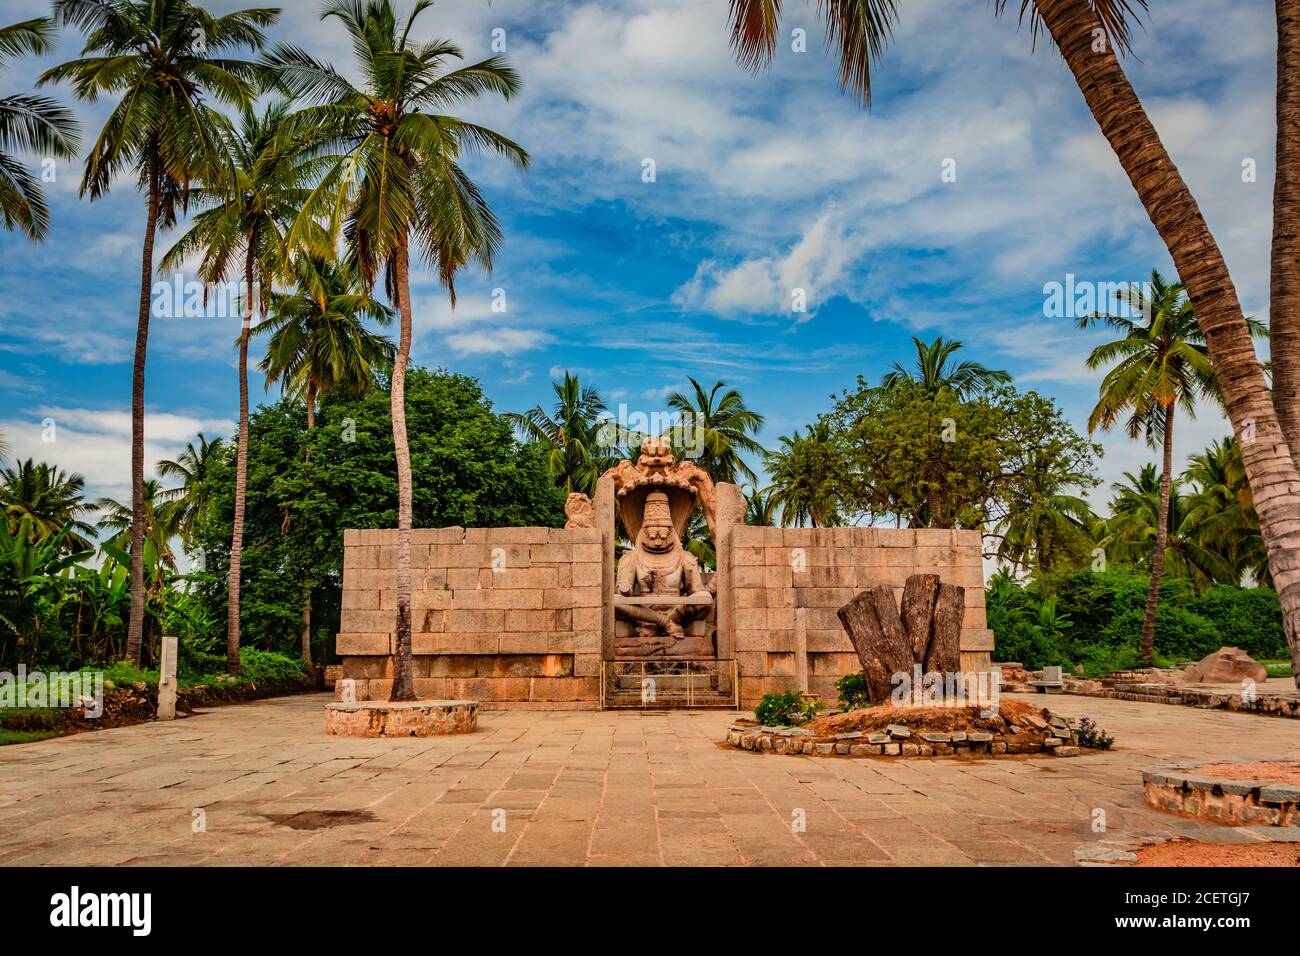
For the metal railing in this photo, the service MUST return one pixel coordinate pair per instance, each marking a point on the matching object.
(667, 684)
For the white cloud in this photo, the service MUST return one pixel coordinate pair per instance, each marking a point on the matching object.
(499, 341)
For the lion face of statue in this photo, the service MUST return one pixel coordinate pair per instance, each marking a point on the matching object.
(658, 537)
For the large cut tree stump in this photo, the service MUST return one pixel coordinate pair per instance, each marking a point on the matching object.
(926, 632)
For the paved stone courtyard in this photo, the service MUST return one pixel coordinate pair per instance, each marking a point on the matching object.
(537, 787)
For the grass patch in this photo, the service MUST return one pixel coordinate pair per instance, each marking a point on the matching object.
(25, 736)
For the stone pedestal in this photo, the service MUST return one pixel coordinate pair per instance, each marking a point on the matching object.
(419, 718)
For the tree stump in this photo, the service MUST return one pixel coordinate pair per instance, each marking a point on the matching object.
(926, 632)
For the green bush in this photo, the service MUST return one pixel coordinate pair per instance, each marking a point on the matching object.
(1180, 635)
(784, 710)
(269, 669)
(852, 690)
(1249, 618)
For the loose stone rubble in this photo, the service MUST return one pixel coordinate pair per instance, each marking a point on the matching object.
(1052, 735)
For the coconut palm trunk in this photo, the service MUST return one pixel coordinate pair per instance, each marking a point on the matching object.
(241, 470)
(135, 626)
(1173, 211)
(1147, 645)
(306, 579)
(403, 684)
(1284, 297)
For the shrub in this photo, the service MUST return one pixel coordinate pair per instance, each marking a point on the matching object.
(1092, 736)
(269, 669)
(784, 710)
(1249, 618)
(1180, 635)
(852, 689)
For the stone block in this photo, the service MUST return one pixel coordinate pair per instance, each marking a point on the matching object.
(564, 688)
(518, 535)
(587, 665)
(524, 642)
(896, 537)
(748, 576)
(515, 599)
(555, 553)
(587, 574)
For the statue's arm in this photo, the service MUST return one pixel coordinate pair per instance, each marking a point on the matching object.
(693, 579)
(627, 574)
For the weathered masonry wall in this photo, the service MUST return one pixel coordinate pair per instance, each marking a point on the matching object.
(499, 615)
(787, 584)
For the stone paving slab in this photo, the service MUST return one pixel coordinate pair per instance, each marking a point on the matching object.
(581, 788)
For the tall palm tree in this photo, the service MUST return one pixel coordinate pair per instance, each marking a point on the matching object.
(163, 60)
(49, 497)
(804, 471)
(572, 433)
(319, 343)
(394, 179)
(193, 467)
(1089, 35)
(1284, 280)
(714, 430)
(33, 124)
(264, 180)
(934, 371)
(1160, 363)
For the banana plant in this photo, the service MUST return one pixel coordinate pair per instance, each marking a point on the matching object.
(35, 579)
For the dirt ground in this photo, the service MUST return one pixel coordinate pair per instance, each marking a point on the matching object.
(1194, 853)
(1275, 771)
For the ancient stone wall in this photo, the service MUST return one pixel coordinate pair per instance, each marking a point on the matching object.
(788, 583)
(499, 615)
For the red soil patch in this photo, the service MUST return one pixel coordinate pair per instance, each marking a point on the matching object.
(1272, 771)
(1195, 853)
(929, 718)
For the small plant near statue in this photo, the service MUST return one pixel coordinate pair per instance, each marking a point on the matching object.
(1092, 736)
(785, 710)
(853, 691)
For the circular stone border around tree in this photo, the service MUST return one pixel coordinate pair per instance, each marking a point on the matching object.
(417, 718)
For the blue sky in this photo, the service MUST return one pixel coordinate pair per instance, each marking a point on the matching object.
(763, 184)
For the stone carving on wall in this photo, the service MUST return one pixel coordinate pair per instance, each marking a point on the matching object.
(660, 592)
(577, 511)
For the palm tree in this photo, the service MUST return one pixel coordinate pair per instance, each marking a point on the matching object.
(248, 210)
(319, 343)
(1222, 510)
(760, 509)
(574, 433)
(394, 179)
(318, 338)
(193, 467)
(1089, 34)
(934, 372)
(1044, 525)
(162, 60)
(804, 471)
(160, 522)
(714, 430)
(34, 124)
(1144, 509)
(1161, 362)
(49, 497)
(1284, 291)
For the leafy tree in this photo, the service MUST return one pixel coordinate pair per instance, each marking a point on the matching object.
(34, 124)
(34, 574)
(935, 371)
(1221, 510)
(164, 61)
(51, 498)
(715, 430)
(934, 460)
(573, 434)
(394, 179)
(469, 470)
(160, 523)
(760, 508)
